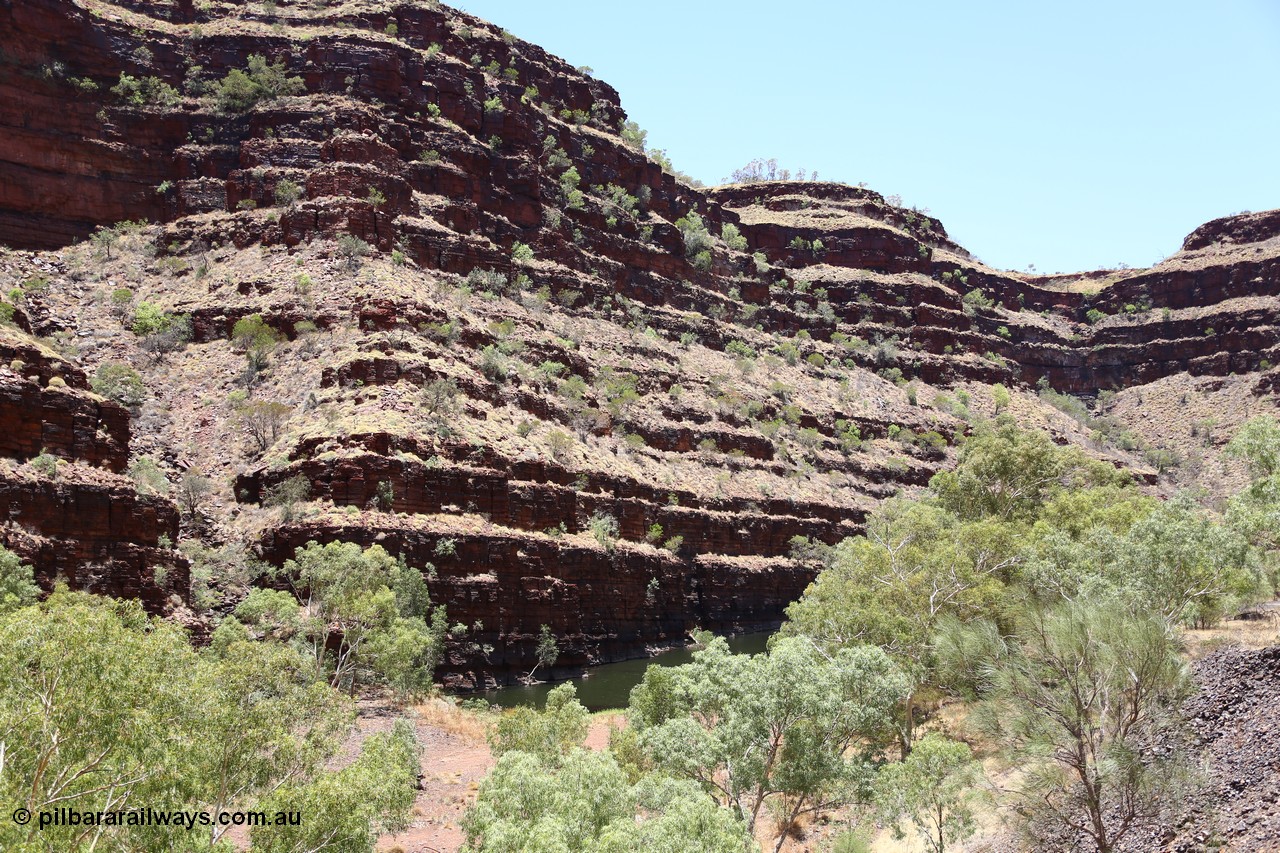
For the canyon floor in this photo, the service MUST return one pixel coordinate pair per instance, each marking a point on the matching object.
(1231, 719)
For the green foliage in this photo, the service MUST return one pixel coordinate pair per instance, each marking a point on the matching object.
(604, 529)
(569, 180)
(102, 706)
(252, 335)
(1178, 563)
(733, 237)
(1258, 444)
(1080, 693)
(1008, 473)
(353, 806)
(149, 319)
(1255, 512)
(119, 382)
(353, 249)
(493, 364)
(933, 787)
(146, 92)
(287, 192)
(697, 239)
(17, 582)
(262, 421)
(147, 476)
(586, 803)
(1000, 397)
(550, 735)
(633, 135)
(974, 300)
(352, 622)
(240, 91)
(890, 587)
(287, 494)
(45, 465)
(521, 253)
(797, 725)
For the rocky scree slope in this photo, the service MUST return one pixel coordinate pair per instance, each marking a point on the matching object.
(518, 348)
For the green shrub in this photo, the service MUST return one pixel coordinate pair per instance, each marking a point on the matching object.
(46, 465)
(604, 528)
(240, 91)
(521, 253)
(148, 319)
(287, 192)
(119, 382)
(697, 239)
(146, 92)
(353, 249)
(733, 237)
(975, 299)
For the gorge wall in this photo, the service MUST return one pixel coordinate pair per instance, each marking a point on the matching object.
(507, 327)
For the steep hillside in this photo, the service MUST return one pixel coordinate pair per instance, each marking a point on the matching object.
(513, 346)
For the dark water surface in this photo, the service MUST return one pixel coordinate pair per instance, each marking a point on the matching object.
(609, 686)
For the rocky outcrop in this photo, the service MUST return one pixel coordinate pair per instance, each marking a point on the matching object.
(66, 423)
(70, 518)
(97, 534)
(440, 205)
(604, 604)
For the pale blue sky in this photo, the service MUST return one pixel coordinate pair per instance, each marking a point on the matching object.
(1066, 135)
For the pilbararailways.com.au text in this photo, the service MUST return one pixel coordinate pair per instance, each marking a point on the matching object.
(189, 820)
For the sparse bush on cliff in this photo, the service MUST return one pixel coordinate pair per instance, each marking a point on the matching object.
(633, 135)
(149, 319)
(439, 399)
(119, 382)
(176, 335)
(287, 495)
(493, 364)
(45, 465)
(353, 249)
(733, 237)
(697, 240)
(604, 529)
(974, 300)
(262, 420)
(240, 91)
(146, 92)
(105, 238)
(761, 169)
(193, 491)
(147, 476)
(258, 340)
(287, 193)
(559, 443)
(574, 198)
